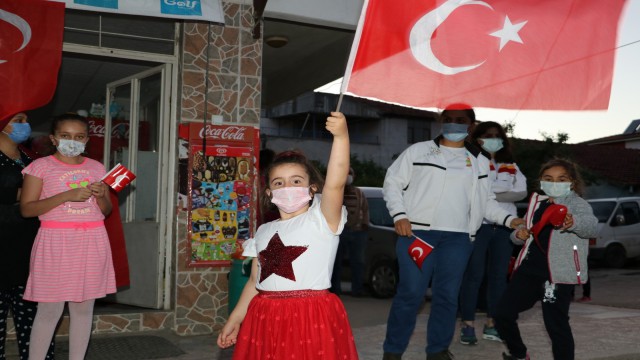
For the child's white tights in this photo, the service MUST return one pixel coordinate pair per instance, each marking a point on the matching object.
(46, 320)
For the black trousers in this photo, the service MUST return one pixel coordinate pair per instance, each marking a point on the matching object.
(523, 292)
(23, 314)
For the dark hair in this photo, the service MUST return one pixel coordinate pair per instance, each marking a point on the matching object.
(468, 110)
(67, 117)
(292, 157)
(504, 155)
(577, 185)
(266, 158)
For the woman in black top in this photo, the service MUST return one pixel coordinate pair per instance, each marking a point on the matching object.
(16, 237)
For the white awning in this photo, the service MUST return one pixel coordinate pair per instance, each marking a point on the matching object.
(201, 10)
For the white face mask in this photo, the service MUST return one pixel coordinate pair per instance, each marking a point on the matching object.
(492, 145)
(556, 189)
(70, 148)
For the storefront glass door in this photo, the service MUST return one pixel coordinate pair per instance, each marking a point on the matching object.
(137, 116)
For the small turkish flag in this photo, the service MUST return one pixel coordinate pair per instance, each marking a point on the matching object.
(419, 250)
(524, 54)
(553, 215)
(30, 54)
(118, 177)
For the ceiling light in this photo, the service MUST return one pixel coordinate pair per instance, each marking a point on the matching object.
(276, 41)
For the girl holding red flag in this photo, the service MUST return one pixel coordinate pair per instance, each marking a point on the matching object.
(552, 260)
(285, 310)
(71, 258)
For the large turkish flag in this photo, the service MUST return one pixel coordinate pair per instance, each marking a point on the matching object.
(30, 54)
(512, 54)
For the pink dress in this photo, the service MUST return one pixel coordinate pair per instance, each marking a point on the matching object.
(71, 255)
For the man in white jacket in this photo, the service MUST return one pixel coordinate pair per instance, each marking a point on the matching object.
(438, 191)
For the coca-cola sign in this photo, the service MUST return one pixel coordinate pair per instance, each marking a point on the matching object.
(118, 131)
(230, 133)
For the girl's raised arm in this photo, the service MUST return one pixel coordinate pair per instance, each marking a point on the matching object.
(337, 170)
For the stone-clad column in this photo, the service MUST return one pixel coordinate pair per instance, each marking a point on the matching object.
(235, 61)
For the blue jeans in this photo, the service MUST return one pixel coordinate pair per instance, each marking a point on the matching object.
(355, 243)
(491, 252)
(444, 268)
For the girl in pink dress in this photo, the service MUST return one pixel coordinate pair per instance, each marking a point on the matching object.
(71, 258)
(285, 310)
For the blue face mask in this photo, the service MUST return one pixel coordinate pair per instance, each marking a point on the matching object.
(19, 132)
(556, 189)
(492, 145)
(454, 132)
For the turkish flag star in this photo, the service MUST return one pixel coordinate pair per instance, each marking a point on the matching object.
(509, 32)
(278, 258)
(431, 53)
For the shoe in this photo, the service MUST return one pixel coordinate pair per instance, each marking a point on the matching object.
(468, 335)
(511, 357)
(584, 299)
(391, 356)
(442, 355)
(490, 333)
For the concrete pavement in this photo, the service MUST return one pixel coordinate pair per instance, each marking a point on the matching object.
(601, 331)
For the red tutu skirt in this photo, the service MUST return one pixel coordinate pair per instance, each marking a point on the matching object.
(301, 325)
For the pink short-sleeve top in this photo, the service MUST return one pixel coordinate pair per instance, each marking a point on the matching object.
(58, 177)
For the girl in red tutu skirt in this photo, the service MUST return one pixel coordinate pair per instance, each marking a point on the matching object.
(285, 310)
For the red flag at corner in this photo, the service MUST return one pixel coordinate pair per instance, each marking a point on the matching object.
(525, 54)
(30, 54)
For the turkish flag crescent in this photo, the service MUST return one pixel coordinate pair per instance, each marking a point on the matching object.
(524, 54)
(30, 54)
(419, 250)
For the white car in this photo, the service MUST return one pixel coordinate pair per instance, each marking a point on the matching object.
(618, 230)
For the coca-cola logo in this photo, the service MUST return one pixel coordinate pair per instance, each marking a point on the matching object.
(227, 133)
(119, 131)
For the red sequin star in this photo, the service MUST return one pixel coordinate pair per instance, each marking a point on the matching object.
(277, 259)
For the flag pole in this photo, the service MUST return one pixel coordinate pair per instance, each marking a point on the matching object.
(352, 55)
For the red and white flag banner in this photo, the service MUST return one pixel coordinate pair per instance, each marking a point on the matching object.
(30, 54)
(118, 177)
(511, 54)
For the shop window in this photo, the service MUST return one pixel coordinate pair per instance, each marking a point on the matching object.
(117, 31)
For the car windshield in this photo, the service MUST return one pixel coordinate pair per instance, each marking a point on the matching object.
(378, 213)
(603, 209)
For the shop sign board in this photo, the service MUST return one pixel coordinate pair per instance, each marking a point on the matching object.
(209, 10)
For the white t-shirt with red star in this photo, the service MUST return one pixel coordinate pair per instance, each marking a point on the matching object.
(296, 254)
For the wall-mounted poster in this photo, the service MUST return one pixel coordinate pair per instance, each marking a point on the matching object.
(222, 195)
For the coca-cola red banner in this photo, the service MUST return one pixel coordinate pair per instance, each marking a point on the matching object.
(119, 136)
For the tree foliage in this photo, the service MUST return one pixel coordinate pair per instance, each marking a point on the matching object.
(530, 155)
(368, 173)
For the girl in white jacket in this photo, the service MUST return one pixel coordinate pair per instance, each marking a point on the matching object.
(492, 249)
